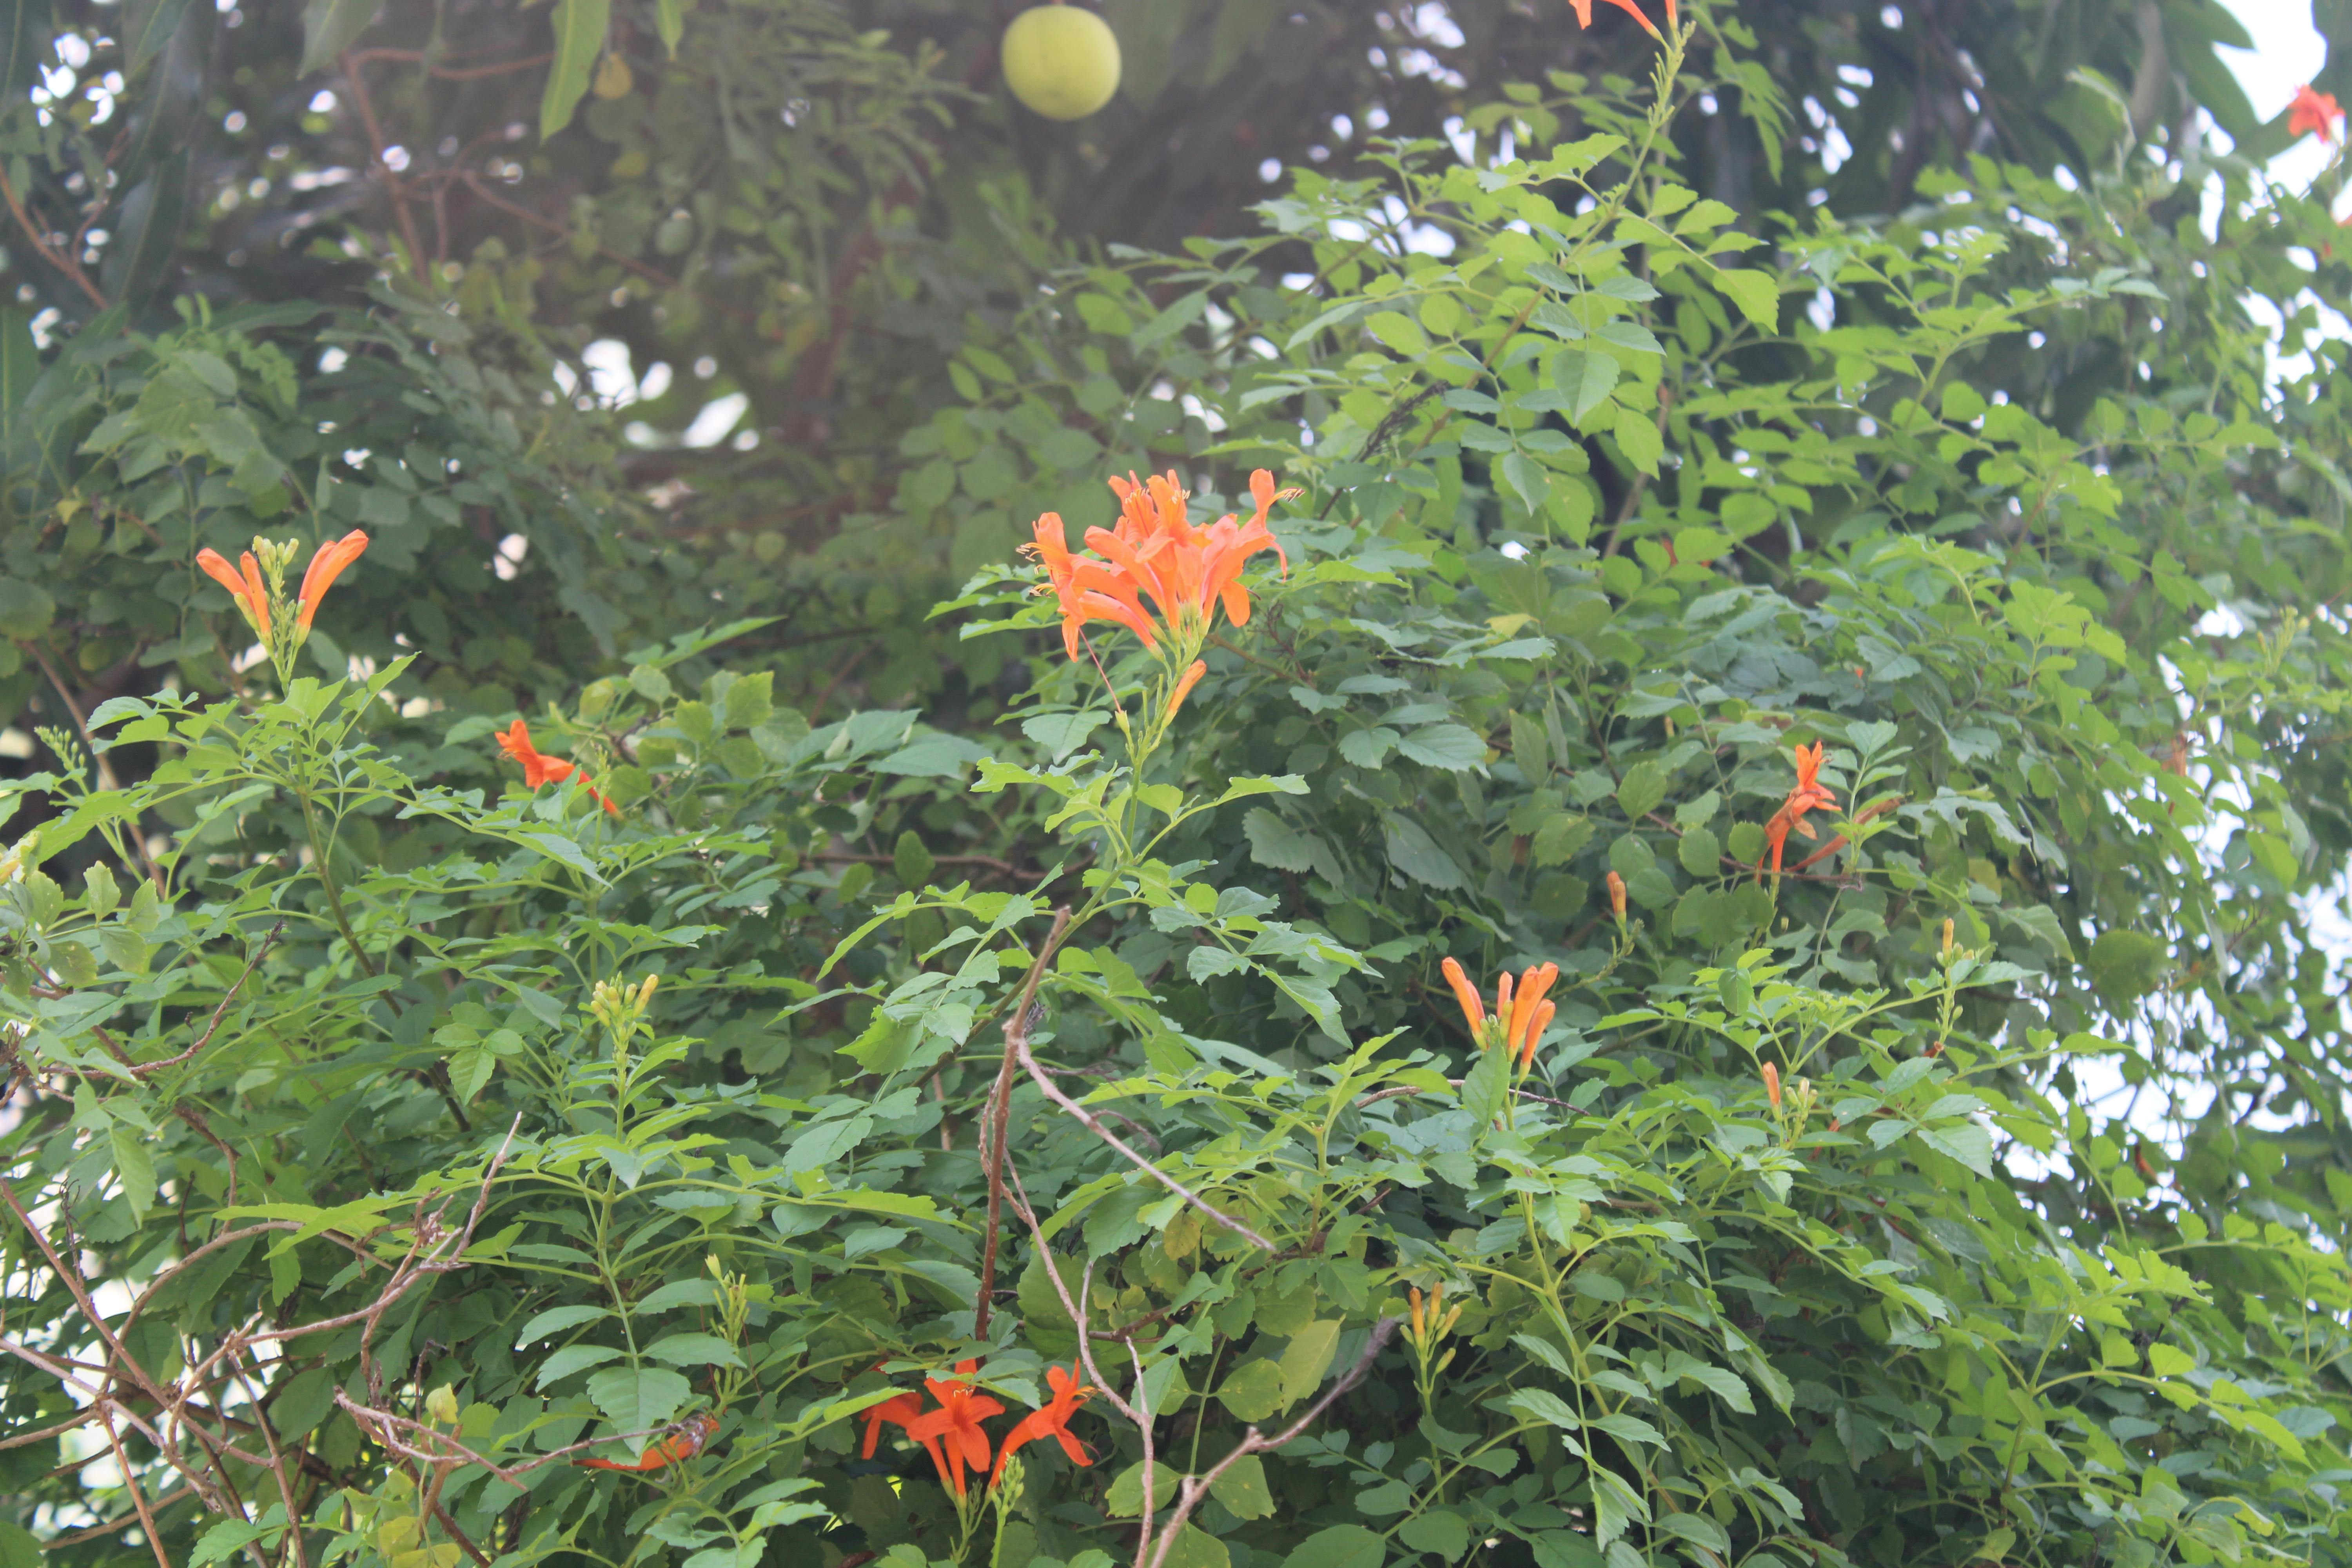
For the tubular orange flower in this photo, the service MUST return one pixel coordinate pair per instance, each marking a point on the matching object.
(1772, 1084)
(1584, 15)
(1184, 686)
(246, 590)
(538, 769)
(1808, 795)
(2313, 114)
(1522, 1031)
(1617, 897)
(326, 565)
(899, 1411)
(1536, 1028)
(1473, 1011)
(1520, 1011)
(1154, 552)
(1052, 1420)
(955, 1426)
(683, 1444)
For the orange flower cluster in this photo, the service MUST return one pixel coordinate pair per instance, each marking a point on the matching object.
(688, 1440)
(1808, 795)
(253, 596)
(2313, 114)
(1155, 553)
(952, 1436)
(1518, 1021)
(1584, 15)
(540, 769)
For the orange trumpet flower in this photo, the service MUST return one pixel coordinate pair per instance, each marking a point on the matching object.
(1154, 552)
(1519, 1021)
(540, 769)
(2313, 114)
(251, 597)
(954, 1427)
(1584, 15)
(1052, 1420)
(692, 1434)
(1808, 795)
(326, 565)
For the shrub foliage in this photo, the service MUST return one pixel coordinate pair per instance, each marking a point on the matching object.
(1881, 681)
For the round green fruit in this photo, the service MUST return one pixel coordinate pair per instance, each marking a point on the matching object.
(1061, 61)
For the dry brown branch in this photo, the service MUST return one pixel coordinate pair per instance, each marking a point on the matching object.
(1017, 1046)
(301, 1553)
(1192, 1489)
(1000, 1109)
(145, 1068)
(138, 1497)
(55, 257)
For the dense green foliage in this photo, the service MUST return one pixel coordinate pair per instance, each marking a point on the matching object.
(383, 1133)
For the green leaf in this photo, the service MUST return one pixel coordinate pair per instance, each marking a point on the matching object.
(2169, 1361)
(1196, 1548)
(1273, 842)
(1545, 1405)
(1398, 331)
(694, 1349)
(669, 22)
(1758, 295)
(1585, 377)
(580, 29)
(1439, 1531)
(555, 1320)
(571, 1359)
(1639, 438)
(1251, 1390)
(135, 1165)
(1453, 747)
(931, 756)
(1308, 1358)
(1529, 479)
(225, 1540)
(1700, 853)
(1340, 1546)
(1125, 1500)
(1243, 1488)
(1968, 1143)
(2126, 964)
(1416, 854)
(124, 949)
(1640, 791)
(634, 1398)
(1560, 836)
(330, 27)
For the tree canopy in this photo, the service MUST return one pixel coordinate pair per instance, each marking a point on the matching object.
(773, 942)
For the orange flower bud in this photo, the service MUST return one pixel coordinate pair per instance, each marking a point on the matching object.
(1772, 1085)
(1617, 896)
(1473, 1011)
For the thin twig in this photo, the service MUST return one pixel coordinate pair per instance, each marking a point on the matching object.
(138, 1497)
(1000, 1112)
(63, 263)
(1192, 1489)
(1019, 1046)
(268, 941)
(394, 183)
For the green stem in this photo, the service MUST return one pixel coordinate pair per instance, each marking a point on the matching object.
(327, 881)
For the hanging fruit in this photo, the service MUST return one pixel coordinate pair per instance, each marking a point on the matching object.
(1061, 61)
